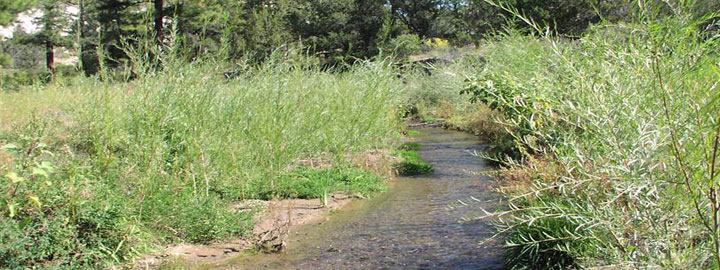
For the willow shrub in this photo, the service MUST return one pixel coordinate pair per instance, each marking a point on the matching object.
(628, 116)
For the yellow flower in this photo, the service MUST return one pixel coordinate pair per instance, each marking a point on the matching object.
(437, 42)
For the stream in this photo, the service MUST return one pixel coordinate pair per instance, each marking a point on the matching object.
(411, 226)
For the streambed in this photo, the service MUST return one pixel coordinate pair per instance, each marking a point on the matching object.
(409, 227)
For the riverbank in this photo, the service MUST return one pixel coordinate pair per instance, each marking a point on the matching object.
(273, 221)
(417, 224)
(117, 169)
(607, 144)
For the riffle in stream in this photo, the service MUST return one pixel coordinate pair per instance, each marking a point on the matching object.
(412, 226)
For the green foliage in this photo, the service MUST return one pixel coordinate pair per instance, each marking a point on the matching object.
(344, 28)
(509, 97)
(407, 155)
(418, 15)
(412, 167)
(96, 177)
(404, 45)
(411, 164)
(13, 80)
(5, 60)
(10, 8)
(607, 112)
(310, 183)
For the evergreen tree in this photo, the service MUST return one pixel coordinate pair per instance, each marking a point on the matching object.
(10, 8)
(52, 22)
(338, 28)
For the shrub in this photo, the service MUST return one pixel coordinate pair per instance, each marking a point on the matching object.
(626, 124)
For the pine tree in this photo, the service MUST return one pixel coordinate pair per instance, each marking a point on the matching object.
(10, 8)
(53, 22)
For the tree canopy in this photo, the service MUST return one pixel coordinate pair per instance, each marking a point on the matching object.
(251, 29)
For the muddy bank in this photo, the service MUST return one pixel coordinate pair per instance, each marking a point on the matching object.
(272, 225)
(274, 220)
(416, 225)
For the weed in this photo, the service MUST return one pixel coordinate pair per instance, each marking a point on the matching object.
(310, 183)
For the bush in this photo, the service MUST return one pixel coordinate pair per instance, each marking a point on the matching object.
(16, 79)
(609, 153)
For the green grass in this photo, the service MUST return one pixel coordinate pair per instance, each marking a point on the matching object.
(413, 132)
(310, 183)
(410, 146)
(94, 173)
(411, 164)
(435, 98)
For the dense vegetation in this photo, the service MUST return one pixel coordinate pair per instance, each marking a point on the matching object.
(609, 142)
(98, 31)
(96, 170)
(602, 114)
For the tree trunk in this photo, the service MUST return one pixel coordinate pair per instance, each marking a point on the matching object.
(159, 14)
(50, 55)
(81, 34)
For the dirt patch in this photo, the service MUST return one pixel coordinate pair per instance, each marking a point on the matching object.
(6, 159)
(273, 222)
(377, 161)
(272, 226)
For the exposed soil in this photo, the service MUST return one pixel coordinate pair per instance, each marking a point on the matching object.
(272, 225)
(273, 222)
(424, 222)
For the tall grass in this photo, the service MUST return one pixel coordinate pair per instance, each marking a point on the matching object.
(95, 172)
(435, 96)
(615, 136)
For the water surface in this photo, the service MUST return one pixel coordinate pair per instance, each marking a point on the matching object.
(408, 227)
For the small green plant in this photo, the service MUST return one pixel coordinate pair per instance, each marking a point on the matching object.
(411, 164)
(404, 45)
(410, 146)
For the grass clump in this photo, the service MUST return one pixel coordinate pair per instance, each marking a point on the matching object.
(310, 183)
(93, 173)
(411, 164)
(433, 98)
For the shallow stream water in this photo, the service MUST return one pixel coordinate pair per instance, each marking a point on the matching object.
(412, 226)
